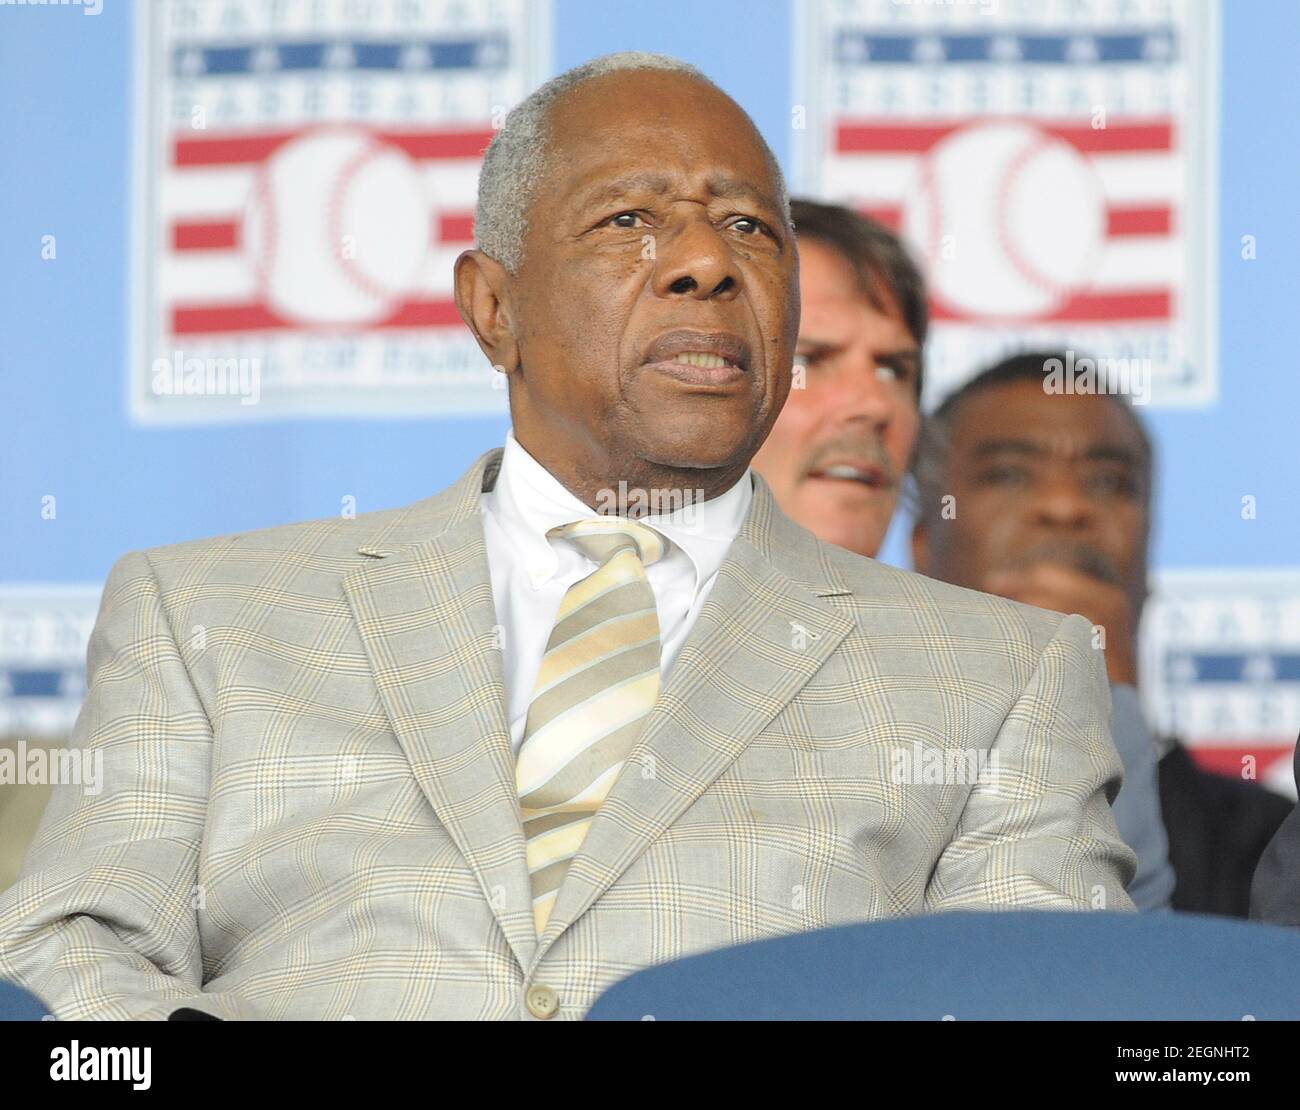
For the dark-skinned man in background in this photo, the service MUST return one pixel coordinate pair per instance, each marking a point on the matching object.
(838, 453)
(448, 782)
(1045, 497)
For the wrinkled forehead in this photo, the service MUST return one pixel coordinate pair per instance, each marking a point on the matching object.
(647, 127)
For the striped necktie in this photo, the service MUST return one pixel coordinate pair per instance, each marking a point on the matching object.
(598, 680)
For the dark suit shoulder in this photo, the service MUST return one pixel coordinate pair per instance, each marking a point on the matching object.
(1218, 828)
(1230, 799)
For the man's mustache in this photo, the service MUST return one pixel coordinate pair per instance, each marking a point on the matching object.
(871, 452)
(1077, 555)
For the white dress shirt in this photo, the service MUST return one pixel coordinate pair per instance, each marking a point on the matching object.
(530, 574)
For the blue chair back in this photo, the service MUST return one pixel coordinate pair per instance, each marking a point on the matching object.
(984, 966)
(17, 1004)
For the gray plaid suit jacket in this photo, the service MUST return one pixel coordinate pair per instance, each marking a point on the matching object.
(308, 805)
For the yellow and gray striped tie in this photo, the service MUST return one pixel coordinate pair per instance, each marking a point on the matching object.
(598, 680)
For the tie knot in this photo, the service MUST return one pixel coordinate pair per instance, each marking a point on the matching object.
(601, 538)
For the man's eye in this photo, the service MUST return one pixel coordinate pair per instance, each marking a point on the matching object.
(1115, 484)
(1006, 475)
(750, 226)
(614, 220)
(890, 373)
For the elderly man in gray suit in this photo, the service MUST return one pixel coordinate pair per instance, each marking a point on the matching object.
(598, 705)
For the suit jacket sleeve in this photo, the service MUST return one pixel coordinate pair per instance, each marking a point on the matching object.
(102, 922)
(1038, 831)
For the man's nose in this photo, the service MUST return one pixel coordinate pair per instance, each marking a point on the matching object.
(1061, 502)
(696, 262)
(854, 391)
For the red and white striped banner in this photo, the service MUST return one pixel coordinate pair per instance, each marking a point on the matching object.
(306, 175)
(1051, 168)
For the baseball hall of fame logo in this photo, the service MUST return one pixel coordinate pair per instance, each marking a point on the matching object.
(1052, 166)
(306, 174)
(1220, 664)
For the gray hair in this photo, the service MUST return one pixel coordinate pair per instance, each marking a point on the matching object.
(516, 158)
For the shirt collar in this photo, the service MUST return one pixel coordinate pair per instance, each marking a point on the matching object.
(529, 501)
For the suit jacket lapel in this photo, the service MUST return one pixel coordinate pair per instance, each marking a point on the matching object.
(425, 613)
(760, 636)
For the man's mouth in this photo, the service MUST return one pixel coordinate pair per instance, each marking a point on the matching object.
(1080, 555)
(699, 358)
(864, 474)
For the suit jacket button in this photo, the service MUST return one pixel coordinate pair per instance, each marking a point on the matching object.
(542, 1001)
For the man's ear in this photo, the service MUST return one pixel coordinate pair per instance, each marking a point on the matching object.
(920, 548)
(483, 301)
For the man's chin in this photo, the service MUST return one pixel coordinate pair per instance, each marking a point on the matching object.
(703, 447)
(840, 495)
(863, 541)
(853, 519)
